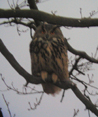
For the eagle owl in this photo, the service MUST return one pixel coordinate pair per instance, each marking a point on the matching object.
(49, 56)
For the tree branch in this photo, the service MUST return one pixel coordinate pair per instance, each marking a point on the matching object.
(32, 5)
(30, 24)
(89, 105)
(42, 16)
(7, 104)
(80, 53)
(36, 80)
(29, 78)
(75, 67)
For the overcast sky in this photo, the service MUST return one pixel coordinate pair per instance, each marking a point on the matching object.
(85, 39)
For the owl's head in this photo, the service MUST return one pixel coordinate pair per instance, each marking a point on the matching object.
(48, 31)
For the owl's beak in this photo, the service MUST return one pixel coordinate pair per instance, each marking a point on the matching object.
(47, 36)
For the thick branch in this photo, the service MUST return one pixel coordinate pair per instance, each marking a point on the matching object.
(29, 78)
(80, 53)
(32, 5)
(37, 80)
(42, 16)
(89, 105)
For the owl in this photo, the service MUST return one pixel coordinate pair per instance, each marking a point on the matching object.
(48, 53)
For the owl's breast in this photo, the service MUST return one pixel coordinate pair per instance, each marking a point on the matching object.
(49, 56)
(40, 52)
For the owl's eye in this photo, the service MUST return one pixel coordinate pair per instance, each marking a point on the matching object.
(43, 32)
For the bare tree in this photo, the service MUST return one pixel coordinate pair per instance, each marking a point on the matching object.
(33, 18)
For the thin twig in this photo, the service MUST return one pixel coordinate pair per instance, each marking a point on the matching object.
(29, 24)
(76, 112)
(7, 104)
(36, 104)
(63, 96)
(88, 113)
(80, 53)
(75, 66)
(83, 82)
(33, 91)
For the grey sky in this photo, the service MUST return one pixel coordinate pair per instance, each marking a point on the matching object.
(85, 39)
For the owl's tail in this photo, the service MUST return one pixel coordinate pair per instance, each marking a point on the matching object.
(51, 89)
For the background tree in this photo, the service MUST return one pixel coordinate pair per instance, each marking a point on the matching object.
(77, 66)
